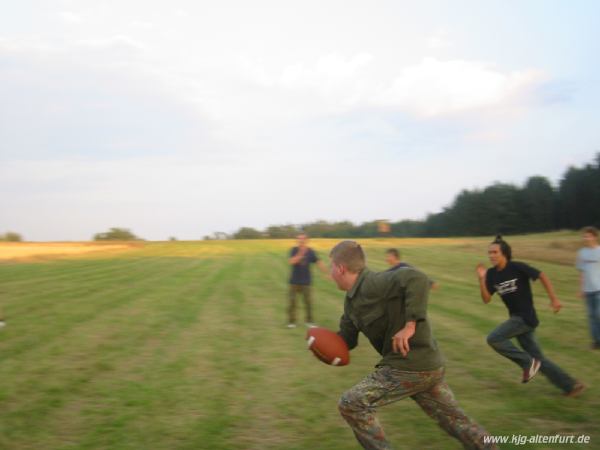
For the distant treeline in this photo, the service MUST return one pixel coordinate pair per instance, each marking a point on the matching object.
(116, 234)
(11, 236)
(536, 206)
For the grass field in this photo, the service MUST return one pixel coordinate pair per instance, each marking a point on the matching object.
(182, 345)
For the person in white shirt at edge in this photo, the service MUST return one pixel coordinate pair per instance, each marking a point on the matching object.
(588, 264)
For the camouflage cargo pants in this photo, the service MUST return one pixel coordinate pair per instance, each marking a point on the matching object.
(428, 389)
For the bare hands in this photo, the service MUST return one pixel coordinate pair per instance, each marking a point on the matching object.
(400, 339)
(555, 305)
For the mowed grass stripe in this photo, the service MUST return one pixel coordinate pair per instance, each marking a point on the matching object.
(202, 378)
(225, 315)
(42, 294)
(171, 391)
(20, 278)
(72, 309)
(126, 345)
(120, 312)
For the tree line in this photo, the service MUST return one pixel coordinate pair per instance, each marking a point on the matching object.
(11, 236)
(505, 208)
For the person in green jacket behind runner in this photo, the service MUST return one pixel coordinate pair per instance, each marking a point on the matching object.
(390, 309)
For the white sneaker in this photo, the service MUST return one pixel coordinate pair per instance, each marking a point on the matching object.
(310, 325)
(530, 372)
(2, 323)
(291, 325)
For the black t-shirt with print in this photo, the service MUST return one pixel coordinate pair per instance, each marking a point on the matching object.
(513, 286)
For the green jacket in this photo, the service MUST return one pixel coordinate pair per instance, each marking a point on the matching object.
(379, 305)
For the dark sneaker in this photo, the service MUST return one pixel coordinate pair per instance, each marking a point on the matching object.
(578, 388)
(530, 372)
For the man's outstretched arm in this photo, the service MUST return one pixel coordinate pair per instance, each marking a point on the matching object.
(554, 302)
(485, 294)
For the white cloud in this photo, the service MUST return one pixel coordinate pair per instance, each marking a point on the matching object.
(142, 24)
(70, 17)
(117, 42)
(487, 136)
(247, 90)
(439, 41)
(434, 87)
(24, 46)
(331, 72)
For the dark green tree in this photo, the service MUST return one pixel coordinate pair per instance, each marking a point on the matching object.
(116, 234)
(11, 236)
(579, 196)
(247, 233)
(537, 202)
(281, 231)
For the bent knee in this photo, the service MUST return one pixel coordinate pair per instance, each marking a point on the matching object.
(492, 340)
(344, 403)
(349, 402)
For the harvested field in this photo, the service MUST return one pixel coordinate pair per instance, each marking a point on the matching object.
(46, 250)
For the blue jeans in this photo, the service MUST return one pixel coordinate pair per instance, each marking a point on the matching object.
(515, 327)
(593, 305)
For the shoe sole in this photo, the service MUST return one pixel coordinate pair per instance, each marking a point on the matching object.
(535, 368)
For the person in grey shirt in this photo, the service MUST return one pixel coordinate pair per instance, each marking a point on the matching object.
(588, 264)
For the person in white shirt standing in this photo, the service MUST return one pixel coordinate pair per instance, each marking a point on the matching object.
(588, 264)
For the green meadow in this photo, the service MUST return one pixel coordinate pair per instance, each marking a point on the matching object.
(183, 345)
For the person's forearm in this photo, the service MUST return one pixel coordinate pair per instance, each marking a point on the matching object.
(554, 302)
(485, 295)
(548, 287)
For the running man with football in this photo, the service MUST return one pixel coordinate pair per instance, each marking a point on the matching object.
(390, 309)
(511, 280)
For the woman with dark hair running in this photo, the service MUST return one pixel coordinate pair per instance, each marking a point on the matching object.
(511, 280)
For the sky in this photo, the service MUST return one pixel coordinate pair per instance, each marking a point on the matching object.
(184, 118)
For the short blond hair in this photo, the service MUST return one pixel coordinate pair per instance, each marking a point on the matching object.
(349, 254)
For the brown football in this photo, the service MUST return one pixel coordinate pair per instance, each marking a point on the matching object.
(328, 346)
